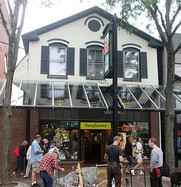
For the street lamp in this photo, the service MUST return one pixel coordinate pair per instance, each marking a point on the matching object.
(110, 64)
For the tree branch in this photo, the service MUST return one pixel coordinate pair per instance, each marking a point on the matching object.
(176, 14)
(162, 20)
(175, 29)
(167, 15)
(4, 22)
(10, 9)
(153, 13)
(177, 49)
(17, 35)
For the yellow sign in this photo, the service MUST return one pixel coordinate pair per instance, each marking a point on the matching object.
(95, 125)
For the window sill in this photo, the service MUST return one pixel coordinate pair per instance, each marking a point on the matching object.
(133, 80)
(57, 77)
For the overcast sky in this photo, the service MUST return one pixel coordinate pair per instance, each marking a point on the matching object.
(37, 16)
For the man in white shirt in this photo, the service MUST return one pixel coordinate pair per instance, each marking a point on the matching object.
(156, 162)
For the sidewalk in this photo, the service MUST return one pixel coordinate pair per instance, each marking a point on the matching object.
(137, 181)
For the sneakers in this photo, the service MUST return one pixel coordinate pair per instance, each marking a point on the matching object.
(128, 172)
(13, 174)
(24, 177)
(132, 172)
(35, 184)
(141, 172)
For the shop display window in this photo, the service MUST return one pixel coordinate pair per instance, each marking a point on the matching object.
(66, 135)
(136, 129)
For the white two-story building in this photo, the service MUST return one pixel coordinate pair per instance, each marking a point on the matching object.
(62, 93)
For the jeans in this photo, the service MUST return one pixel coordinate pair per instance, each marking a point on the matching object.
(47, 180)
(154, 180)
(130, 160)
(20, 164)
(113, 171)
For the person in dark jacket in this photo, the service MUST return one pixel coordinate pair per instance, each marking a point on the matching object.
(21, 159)
(128, 153)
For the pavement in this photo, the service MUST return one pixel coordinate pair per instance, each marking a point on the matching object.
(137, 181)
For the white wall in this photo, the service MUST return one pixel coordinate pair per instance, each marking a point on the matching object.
(77, 34)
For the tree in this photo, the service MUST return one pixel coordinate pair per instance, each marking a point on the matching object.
(13, 28)
(166, 17)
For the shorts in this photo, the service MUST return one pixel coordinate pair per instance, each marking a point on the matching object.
(35, 166)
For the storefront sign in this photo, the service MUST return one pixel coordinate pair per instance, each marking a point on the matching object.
(95, 125)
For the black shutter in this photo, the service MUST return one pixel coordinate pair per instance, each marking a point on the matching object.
(144, 68)
(44, 59)
(83, 62)
(120, 63)
(70, 61)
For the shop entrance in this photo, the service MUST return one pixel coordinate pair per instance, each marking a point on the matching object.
(93, 146)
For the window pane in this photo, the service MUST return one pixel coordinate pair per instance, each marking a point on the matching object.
(135, 129)
(131, 58)
(57, 65)
(95, 63)
(131, 64)
(66, 135)
(131, 72)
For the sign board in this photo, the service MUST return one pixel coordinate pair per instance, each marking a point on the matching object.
(108, 64)
(95, 125)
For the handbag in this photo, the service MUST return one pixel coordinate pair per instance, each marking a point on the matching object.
(16, 151)
(135, 151)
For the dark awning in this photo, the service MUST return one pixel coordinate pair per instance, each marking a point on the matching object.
(61, 94)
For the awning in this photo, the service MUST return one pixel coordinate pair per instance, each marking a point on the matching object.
(54, 94)
(144, 97)
(62, 94)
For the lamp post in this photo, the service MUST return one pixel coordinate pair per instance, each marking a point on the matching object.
(110, 65)
(115, 76)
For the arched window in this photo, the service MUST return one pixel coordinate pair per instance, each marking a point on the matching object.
(57, 59)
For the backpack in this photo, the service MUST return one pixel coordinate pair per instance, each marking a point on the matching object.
(165, 171)
(16, 152)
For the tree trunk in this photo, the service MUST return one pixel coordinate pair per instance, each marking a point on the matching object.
(170, 113)
(6, 126)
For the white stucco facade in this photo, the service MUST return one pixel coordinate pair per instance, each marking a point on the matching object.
(78, 35)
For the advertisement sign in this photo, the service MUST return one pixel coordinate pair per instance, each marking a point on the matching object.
(95, 125)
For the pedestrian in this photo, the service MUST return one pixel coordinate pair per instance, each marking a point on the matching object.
(47, 166)
(128, 153)
(53, 148)
(156, 162)
(114, 156)
(139, 148)
(28, 166)
(20, 159)
(122, 141)
(35, 158)
(46, 145)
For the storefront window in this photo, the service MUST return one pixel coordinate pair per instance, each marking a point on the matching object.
(136, 129)
(66, 135)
